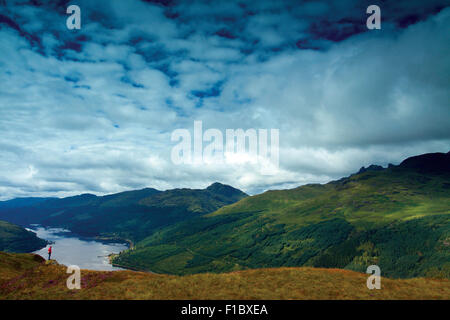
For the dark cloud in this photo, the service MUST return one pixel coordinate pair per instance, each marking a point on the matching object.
(92, 110)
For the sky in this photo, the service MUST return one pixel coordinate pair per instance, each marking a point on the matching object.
(93, 110)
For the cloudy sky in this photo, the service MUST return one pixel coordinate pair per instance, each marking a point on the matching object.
(93, 110)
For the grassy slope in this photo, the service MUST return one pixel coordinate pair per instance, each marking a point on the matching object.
(396, 218)
(14, 265)
(16, 239)
(23, 277)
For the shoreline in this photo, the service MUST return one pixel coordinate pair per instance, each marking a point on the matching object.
(104, 238)
(116, 239)
(52, 231)
(133, 269)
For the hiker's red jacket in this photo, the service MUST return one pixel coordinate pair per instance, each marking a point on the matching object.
(50, 250)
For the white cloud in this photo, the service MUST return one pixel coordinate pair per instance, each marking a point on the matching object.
(99, 120)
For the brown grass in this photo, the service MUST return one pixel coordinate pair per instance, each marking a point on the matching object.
(31, 279)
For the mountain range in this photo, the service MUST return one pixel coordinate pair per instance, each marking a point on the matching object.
(395, 217)
(128, 215)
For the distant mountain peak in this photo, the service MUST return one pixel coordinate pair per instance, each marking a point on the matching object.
(87, 195)
(428, 163)
(224, 189)
(216, 185)
(372, 167)
(432, 163)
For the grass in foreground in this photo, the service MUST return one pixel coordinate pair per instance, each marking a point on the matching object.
(24, 277)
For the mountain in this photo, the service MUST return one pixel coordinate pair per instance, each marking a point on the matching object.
(16, 239)
(434, 163)
(397, 218)
(22, 202)
(27, 276)
(132, 214)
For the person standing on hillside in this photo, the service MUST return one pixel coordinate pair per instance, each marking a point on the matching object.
(49, 252)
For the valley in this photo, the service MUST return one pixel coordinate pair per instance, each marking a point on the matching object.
(397, 218)
(218, 239)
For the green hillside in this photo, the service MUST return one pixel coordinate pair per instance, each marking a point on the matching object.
(26, 276)
(132, 215)
(397, 218)
(16, 239)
